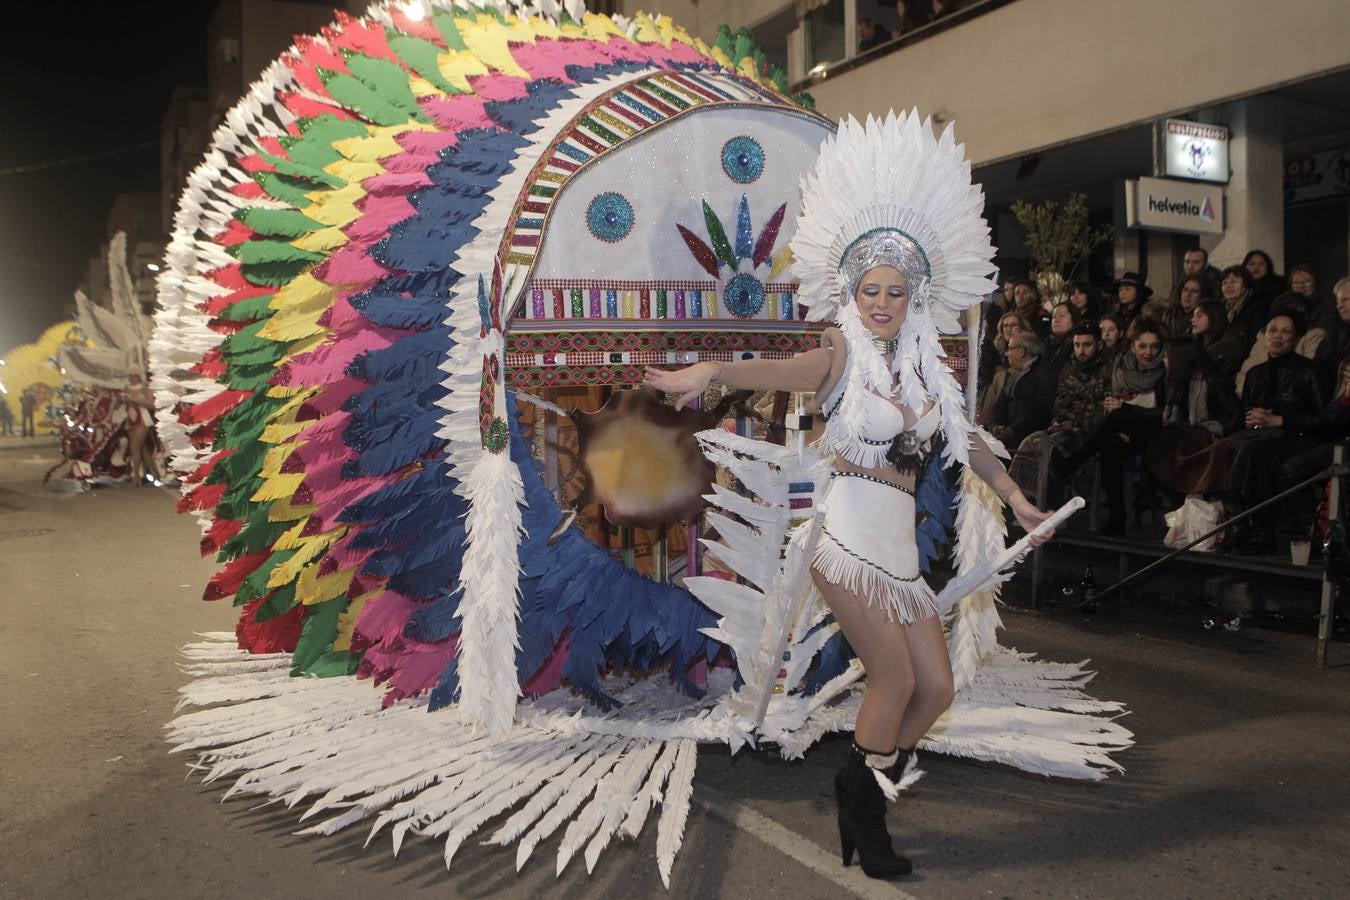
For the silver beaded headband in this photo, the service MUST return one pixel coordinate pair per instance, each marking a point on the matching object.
(887, 247)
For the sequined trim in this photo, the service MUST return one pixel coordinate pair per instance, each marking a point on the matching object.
(867, 562)
(842, 473)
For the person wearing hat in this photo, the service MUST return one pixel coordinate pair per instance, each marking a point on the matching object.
(1131, 292)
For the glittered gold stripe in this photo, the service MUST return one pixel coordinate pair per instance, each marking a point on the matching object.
(555, 177)
(614, 122)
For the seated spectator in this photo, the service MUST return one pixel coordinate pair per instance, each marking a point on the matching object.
(1201, 407)
(1176, 320)
(1266, 285)
(870, 35)
(1113, 330)
(1077, 408)
(1245, 310)
(996, 387)
(943, 8)
(1307, 344)
(1082, 296)
(999, 304)
(1321, 308)
(1196, 262)
(1335, 429)
(1027, 303)
(1335, 347)
(1281, 416)
(1219, 339)
(1133, 417)
(1131, 292)
(1059, 349)
(1030, 399)
(913, 14)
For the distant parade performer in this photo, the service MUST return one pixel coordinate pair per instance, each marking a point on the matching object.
(27, 405)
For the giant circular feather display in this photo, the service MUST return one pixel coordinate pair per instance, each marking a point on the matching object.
(387, 242)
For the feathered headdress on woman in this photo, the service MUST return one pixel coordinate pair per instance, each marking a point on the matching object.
(889, 193)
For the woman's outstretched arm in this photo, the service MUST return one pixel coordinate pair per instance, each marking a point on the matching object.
(807, 372)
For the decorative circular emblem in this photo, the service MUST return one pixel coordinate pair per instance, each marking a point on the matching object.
(498, 433)
(610, 217)
(744, 296)
(743, 159)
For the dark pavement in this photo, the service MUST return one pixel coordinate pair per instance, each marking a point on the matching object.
(1238, 785)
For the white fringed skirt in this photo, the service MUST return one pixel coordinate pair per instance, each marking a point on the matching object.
(866, 546)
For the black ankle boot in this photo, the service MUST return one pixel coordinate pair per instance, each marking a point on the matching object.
(862, 819)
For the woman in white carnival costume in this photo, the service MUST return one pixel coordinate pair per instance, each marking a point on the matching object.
(892, 247)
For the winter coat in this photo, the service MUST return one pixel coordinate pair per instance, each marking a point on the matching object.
(1082, 388)
(1030, 401)
(1288, 386)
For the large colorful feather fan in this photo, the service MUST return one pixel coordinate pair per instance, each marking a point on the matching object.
(411, 222)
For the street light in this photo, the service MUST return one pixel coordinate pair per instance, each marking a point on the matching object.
(153, 267)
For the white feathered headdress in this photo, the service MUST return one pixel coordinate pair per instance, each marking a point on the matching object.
(890, 193)
(890, 181)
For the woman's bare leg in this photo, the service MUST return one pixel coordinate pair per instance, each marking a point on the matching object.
(136, 436)
(881, 644)
(933, 686)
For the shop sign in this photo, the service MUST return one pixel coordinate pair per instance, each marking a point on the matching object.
(1164, 204)
(1196, 151)
(1317, 176)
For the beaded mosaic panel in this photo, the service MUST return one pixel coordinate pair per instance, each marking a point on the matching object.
(582, 352)
(552, 299)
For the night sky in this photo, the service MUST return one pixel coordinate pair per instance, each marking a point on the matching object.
(100, 78)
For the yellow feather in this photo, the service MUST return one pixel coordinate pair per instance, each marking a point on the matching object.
(600, 28)
(456, 67)
(325, 240)
(335, 206)
(276, 458)
(781, 260)
(278, 487)
(347, 621)
(309, 548)
(313, 588)
(487, 39)
(285, 511)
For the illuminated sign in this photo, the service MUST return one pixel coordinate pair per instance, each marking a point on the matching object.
(1163, 204)
(1196, 151)
(1317, 176)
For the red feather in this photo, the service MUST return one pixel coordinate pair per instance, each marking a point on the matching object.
(702, 252)
(279, 634)
(227, 581)
(217, 406)
(204, 497)
(767, 237)
(221, 531)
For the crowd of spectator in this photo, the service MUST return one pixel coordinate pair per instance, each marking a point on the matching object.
(910, 15)
(1232, 386)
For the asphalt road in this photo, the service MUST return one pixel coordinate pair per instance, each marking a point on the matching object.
(1239, 785)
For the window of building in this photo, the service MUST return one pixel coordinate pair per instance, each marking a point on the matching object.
(825, 35)
(229, 49)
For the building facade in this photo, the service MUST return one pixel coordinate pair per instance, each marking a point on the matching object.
(1053, 97)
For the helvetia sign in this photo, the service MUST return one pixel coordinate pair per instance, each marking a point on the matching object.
(1162, 204)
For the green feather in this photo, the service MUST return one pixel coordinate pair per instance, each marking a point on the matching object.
(445, 24)
(388, 80)
(357, 95)
(286, 188)
(275, 274)
(272, 251)
(280, 603)
(724, 41)
(314, 146)
(302, 171)
(318, 634)
(718, 236)
(255, 585)
(423, 57)
(335, 664)
(245, 340)
(256, 535)
(249, 310)
(284, 223)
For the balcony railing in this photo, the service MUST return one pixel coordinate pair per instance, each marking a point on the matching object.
(958, 17)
